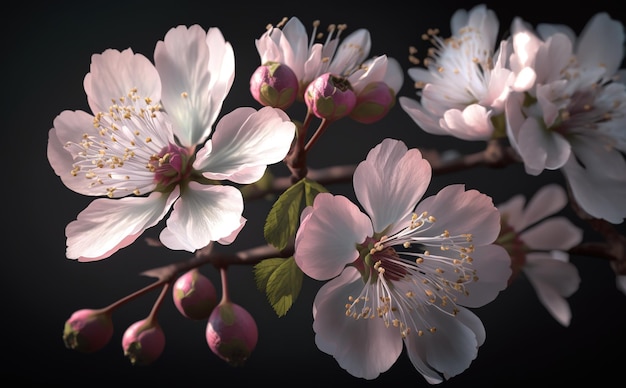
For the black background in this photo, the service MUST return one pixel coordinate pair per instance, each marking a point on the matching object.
(47, 51)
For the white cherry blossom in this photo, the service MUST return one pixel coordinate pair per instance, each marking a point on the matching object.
(148, 146)
(401, 271)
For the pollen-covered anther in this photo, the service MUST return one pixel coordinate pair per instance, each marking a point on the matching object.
(432, 329)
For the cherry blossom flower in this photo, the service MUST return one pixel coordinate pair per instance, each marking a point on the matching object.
(571, 117)
(401, 272)
(465, 81)
(147, 149)
(288, 44)
(538, 247)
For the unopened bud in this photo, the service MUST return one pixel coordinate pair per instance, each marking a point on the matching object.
(274, 84)
(330, 97)
(88, 330)
(373, 103)
(143, 342)
(232, 333)
(194, 295)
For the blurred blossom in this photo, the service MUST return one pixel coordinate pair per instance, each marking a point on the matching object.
(571, 114)
(148, 142)
(401, 271)
(465, 82)
(538, 246)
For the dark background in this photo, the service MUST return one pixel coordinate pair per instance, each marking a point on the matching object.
(47, 51)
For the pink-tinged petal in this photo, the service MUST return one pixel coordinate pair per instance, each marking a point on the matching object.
(351, 52)
(327, 237)
(107, 225)
(545, 202)
(553, 233)
(598, 195)
(542, 149)
(512, 211)
(390, 182)
(70, 126)
(601, 44)
(450, 349)
(231, 237)
(493, 270)
(197, 71)
(113, 74)
(363, 347)
(553, 281)
(204, 213)
(524, 80)
(472, 123)
(459, 211)
(423, 118)
(423, 75)
(515, 118)
(394, 76)
(244, 143)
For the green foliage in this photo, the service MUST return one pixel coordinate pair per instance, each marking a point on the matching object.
(281, 280)
(284, 216)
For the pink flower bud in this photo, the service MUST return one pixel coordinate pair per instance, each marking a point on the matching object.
(330, 97)
(143, 342)
(194, 295)
(231, 333)
(88, 330)
(274, 84)
(373, 103)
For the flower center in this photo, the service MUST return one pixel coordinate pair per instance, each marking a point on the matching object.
(170, 166)
(133, 137)
(403, 277)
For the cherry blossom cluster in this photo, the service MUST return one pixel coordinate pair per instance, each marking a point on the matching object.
(402, 270)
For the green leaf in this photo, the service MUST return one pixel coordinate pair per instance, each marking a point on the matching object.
(281, 279)
(263, 270)
(311, 189)
(284, 216)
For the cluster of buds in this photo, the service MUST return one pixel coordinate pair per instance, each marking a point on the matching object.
(231, 331)
(329, 96)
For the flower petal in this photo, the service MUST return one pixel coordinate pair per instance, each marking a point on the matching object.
(363, 347)
(107, 225)
(599, 195)
(553, 281)
(68, 127)
(552, 233)
(390, 182)
(451, 349)
(113, 74)
(327, 237)
(197, 69)
(492, 264)
(546, 201)
(244, 143)
(204, 213)
(459, 211)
